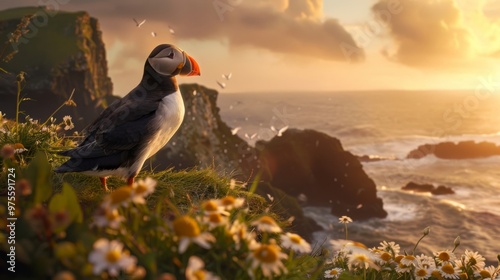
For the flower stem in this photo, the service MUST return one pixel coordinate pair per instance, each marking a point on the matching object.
(345, 225)
(424, 234)
(18, 103)
(60, 107)
(414, 248)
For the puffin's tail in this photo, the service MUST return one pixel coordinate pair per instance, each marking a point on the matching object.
(72, 165)
(69, 166)
(80, 162)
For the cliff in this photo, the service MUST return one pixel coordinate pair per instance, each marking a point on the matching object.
(205, 140)
(59, 52)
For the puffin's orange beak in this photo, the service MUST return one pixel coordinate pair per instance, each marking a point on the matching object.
(195, 68)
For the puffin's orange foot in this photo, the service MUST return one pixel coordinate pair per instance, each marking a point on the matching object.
(130, 181)
(104, 185)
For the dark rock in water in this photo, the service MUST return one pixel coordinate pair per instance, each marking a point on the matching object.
(370, 158)
(440, 190)
(204, 140)
(287, 206)
(314, 164)
(461, 150)
(66, 54)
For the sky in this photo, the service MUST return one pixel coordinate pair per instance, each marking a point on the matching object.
(304, 45)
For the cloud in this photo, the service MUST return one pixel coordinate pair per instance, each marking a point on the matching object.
(429, 33)
(439, 34)
(305, 9)
(281, 26)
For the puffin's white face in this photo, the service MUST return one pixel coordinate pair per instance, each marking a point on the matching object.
(168, 60)
(171, 61)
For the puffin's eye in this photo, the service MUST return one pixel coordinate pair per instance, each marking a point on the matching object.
(171, 55)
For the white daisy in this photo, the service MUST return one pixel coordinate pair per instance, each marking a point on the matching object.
(383, 257)
(345, 220)
(266, 224)
(426, 262)
(214, 220)
(213, 206)
(240, 234)
(488, 272)
(474, 259)
(110, 256)
(361, 260)
(295, 242)
(230, 202)
(449, 271)
(422, 273)
(408, 260)
(20, 151)
(390, 247)
(187, 231)
(68, 123)
(195, 270)
(424, 266)
(141, 189)
(19, 148)
(333, 273)
(119, 197)
(106, 217)
(444, 256)
(401, 268)
(268, 258)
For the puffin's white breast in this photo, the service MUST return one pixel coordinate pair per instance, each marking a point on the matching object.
(168, 119)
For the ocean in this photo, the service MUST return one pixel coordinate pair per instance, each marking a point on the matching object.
(389, 124)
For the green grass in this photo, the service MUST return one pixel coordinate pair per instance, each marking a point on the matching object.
(47, 44)
(148, 231)
(183, 188)
(17, 13)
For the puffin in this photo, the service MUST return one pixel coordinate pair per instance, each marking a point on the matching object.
(137, 126)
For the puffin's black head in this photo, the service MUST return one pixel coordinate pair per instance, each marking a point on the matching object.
(169, 60)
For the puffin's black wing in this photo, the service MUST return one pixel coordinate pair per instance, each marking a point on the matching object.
(122, 126)
(91, 129)
(115, 139)
(126, 135)
(113, 147)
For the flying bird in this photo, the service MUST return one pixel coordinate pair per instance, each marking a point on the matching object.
(280, 131)
(235, 130)
(171, 30)
(228, 76)
(251, 136)
(138, 24)
(222, 85)
(134, 128)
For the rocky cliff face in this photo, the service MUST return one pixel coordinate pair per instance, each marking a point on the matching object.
(204, 140)
(312, 164)
(60, 52)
